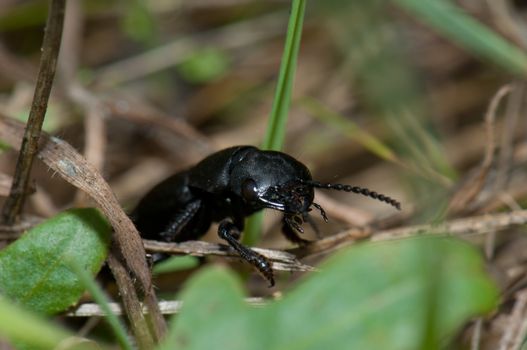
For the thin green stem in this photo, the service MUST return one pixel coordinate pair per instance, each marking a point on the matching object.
(101, 299)
(275, 134)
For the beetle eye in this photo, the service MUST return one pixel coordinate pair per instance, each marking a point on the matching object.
(249, 190)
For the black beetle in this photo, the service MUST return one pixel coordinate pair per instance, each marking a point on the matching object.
(228, 186)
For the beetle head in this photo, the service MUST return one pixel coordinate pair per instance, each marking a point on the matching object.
(274, 180)
(291, 197)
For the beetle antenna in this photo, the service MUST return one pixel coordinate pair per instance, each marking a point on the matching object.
(355, 189)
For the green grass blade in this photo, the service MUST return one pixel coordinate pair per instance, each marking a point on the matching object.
(452, 22)
(274, 136)
(101, 299)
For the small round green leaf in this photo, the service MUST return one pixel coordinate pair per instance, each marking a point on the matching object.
(34, 270)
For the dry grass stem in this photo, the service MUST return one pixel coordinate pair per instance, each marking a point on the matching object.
(465, 195)
(516, 324)
(29, 148)
(468, 226)
(506, 154)
(475, 342)
(130, 299)
(167, 307)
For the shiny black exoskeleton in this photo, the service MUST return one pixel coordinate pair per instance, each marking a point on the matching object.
(228, 186)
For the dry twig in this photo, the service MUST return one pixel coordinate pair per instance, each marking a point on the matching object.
(515, 332)
(473, 186)
(48, 63)
(12, 232)
(281, 260)
(475, 342)
(505, 159)
(167, 307)
(475, 225)
(133, 308)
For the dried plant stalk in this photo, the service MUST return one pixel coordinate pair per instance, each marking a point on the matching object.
(48, 64)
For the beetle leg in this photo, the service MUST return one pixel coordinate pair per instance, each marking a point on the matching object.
(180, 220)
(229, 232)
(289, 231)
(313, 225)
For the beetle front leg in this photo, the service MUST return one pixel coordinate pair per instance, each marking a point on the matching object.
(229, 232)
(290, 231)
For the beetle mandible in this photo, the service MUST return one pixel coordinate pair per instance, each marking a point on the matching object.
(228, 186)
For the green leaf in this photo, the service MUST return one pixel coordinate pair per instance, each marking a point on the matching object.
(204, 65)
(34, 270)
(453, 23)
(408, 294)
